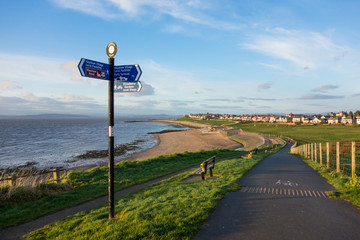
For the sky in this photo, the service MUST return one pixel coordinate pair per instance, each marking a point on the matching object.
(196, 56)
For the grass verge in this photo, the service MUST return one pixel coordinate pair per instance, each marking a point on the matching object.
(171, 209)
(91, 184)
(349, 189)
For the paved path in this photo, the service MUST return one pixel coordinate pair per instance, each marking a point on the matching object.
(282, 198)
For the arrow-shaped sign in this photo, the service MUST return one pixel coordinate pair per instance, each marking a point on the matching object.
(127, 86)
(93, 69)
(127, 73)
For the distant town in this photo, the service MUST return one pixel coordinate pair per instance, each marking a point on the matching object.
(346, 118)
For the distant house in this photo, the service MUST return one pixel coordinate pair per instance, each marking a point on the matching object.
(273, 119)
(284, 119)
(317, 120)
(347, 120)
(297, 118)
(306, 119)
(357, 120)
(334, 120)
(341, 114)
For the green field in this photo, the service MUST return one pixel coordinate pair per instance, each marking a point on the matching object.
(301, 133)
(172, 209)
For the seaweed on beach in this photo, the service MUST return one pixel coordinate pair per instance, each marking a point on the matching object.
(167, 131)
(119, 150)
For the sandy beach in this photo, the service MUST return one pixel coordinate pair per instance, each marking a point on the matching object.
(197, 138)
(191, 140)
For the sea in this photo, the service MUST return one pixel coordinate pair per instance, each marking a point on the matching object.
(49, 143)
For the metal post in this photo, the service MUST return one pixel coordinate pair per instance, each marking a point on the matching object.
(111, 138)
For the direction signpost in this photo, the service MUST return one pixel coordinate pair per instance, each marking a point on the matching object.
(127, 86)
(127, 77)
(129, 73)
(93, 69)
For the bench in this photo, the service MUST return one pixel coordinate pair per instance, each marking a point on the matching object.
(208, 164)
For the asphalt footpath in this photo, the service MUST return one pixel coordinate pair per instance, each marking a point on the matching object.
(282, 198)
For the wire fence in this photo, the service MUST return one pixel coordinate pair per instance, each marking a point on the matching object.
(344, 157)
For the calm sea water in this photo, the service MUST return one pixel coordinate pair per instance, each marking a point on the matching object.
(55, 142)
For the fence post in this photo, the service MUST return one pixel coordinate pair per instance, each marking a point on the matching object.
(320, 152)
(337, 156)
(327, 155)
(312, 152)
(12, 181)
(56, 175)
(353, 163)
(315, 152)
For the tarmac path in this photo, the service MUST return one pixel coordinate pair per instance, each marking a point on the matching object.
(282, 198)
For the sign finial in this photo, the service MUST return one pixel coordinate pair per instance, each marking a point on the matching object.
(111, 49)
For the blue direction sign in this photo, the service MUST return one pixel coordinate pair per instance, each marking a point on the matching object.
(127, 73)
(127, 86)
(93, 69)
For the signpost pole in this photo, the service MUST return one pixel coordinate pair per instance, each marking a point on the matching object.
(128, 73)
(111, 138)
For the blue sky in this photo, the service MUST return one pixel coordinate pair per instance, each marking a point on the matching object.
(227, 56)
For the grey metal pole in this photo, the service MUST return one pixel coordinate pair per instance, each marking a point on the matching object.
(111, 138)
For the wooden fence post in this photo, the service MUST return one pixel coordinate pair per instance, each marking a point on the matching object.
(12, 181)
(312, 152)
(337, 156)
(56, 175)
(320, 152)
(327, 155)
(315, 152)
(353, 162)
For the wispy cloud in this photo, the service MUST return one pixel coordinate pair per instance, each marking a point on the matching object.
(258, 99)
(324, 88)
(188, 11)
(264, 86)
(272, 66)
(356, 95)
(29, 103)
(308, 50)
(146, 90)
(7, 85)
(320, 97)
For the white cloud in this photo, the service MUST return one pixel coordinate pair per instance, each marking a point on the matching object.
(73, 69)
(7, 85)
(188, 11)
(308, 50)
(30, 68)
(29, 103)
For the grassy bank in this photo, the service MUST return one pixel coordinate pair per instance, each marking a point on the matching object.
(91, 184)
(301, 133)
(349, 189)
(171, 209)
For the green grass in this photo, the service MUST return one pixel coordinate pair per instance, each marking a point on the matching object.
(171, 209)
(304, 133)
(301, 133)
(349, 189)
(93, 183)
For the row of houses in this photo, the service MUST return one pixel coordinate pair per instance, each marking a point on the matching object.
(330, 118)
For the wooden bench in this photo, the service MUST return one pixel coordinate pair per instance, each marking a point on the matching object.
(208, 164)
